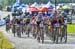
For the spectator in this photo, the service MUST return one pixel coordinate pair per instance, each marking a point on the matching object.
(7, 20)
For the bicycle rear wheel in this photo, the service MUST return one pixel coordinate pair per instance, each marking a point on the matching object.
(42, 35)
(56, 35)
(65, 34)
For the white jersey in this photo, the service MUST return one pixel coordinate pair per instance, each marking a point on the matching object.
(56, 25)
(41, 24)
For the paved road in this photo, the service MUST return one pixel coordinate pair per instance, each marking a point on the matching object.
(31, 43)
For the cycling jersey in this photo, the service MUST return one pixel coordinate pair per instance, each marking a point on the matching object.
(49, 27)
(33, 21)
(38, 20)
(56, 25)
(41, 24)
(7, 20)
(55, 21)
(33, 17)
(27, 21)
(65, 20)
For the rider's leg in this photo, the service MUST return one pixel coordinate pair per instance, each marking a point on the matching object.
(38, 36)
(51, 31)
(60, 30)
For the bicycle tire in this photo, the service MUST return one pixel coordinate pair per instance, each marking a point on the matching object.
(42, 36)
(66, 34)
(57, 35)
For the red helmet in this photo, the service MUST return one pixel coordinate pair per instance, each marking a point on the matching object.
(33, 17)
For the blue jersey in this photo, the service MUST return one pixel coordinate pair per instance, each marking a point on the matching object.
(7, 20)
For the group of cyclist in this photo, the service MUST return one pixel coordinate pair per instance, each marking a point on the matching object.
(47, 24)
(38, 25)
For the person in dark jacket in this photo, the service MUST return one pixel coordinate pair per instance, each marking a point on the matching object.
(7, 20)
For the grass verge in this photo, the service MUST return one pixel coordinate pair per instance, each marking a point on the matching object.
(5, 43)
(71, 28)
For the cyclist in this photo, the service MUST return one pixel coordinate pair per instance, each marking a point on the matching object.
(7, 20)
(38, 20)
(64, 24)
(18, 27)
(41, 34)
(46, 21)
(55, 22)
(33, 23)
(27, 26)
